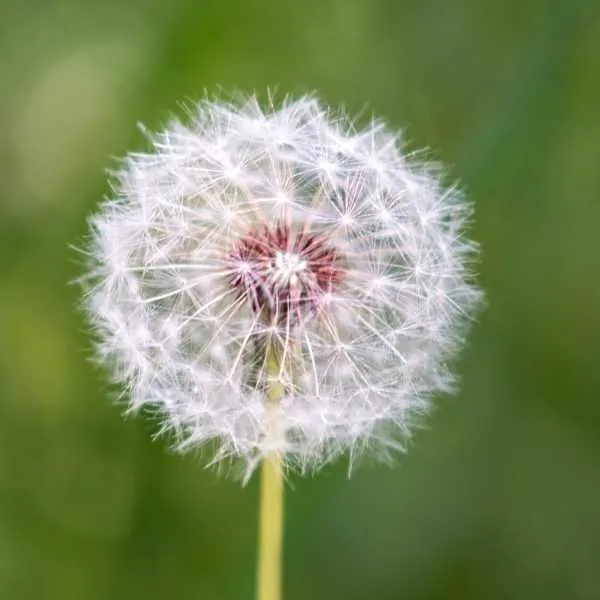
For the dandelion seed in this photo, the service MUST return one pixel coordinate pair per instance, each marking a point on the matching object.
(247, 232)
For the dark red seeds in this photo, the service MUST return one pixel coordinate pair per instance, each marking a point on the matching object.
(284, 275)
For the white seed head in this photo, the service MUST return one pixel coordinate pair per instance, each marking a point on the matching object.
(248, 228)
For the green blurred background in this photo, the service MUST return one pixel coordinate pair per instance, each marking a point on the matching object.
(499, 497)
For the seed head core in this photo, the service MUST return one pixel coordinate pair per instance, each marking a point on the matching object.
(284, 274)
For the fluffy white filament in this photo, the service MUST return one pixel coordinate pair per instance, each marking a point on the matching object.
(365, 338)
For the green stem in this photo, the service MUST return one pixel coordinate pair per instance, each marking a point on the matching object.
(271, 498)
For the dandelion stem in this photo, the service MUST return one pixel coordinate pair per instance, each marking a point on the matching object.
(271, 529)
(271, 498)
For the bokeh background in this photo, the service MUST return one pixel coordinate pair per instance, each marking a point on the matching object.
(499, 498)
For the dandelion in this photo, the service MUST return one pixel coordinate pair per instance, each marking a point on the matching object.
(281, 284)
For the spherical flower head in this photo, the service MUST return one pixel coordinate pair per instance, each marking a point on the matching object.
(255, 246)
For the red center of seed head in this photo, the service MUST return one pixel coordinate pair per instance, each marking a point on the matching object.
(283, 274)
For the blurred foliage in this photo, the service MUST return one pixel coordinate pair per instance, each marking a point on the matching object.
(499, 498)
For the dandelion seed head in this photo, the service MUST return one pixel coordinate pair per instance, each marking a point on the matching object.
(245, 228)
